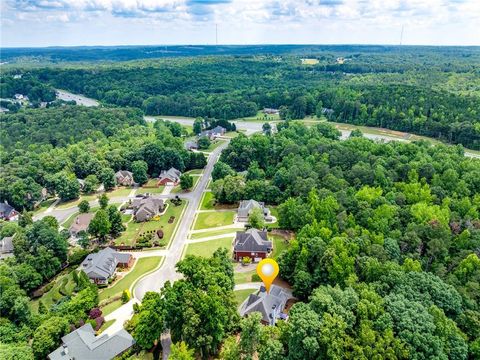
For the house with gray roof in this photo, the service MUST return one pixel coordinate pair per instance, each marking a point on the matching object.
(7, 212)
(169, 177)
(191, 145)
(6, 247)
(124, 178)
(145, 208)
(246, 206)
(270, 305)
(214, 133)
(101, 266)
(83, 344)
(80, 224)
(253, 244)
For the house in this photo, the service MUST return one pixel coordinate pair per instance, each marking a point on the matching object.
(246, 207)
(6, 247)
(80, 224)
(83, 344)
(145, 208)
(270, 111)
(17, 76)
(271, 305)
(124, 178)
(191, 145)
(169, 177)
(7, 212)
(19, 97)
(214, 133)
(81, 182)
(101, 266)
(253, 244)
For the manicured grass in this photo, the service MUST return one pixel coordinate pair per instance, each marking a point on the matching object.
(53, 295)
(214, 145)
(241, 295)
(214, 219)
(279, 244)
(213, 233)
(44, 206)
(68, 204)
(261, 117)
(178, 189)
(134, 229)
(150, 190)
(243, 277)
(274, 212)
(142, 266)
(114, 305)
(232, 134)
(126, 218)
(121, 191)
(207, 201)
(207, 248)
(106, 324)
(194, 172)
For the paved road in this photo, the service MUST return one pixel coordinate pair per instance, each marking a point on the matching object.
(155, 281)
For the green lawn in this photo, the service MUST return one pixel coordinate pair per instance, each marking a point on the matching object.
(134, 229)
(150, 187)
(53, 295)
(207, 201)
(274, 212)
(232, 134)
(243, 277)
(214, 233)
(68, 204)
(194, 172)
(114, 305)
(214, 219)
(44, 206)
(279, 244)
(207, 248)
(241, 295)
(142, 266)
(106, 324)
(121, 191)
(214, 145)
(261, 117)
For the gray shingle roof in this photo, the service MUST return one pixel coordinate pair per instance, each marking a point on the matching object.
(6, 245)
(102, 265)
(269, 305)
(252, 240)
(146, 208)
(83, 344)
(5, 209)
(171, 174)
(246, 206)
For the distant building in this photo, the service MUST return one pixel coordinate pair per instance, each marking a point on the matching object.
(101, 266)
(340, 60)
(19, 97)
(6, 247)
(191, 145)
(253, 244)
(17, 76)
(7, 212)
(147, 207)
(124, 178)
(83, 344)
(212, 134)
(269, 111)
(80, 224)
(246, 207)
(271, 305)
(169, 177)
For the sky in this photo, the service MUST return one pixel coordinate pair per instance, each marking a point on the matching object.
(156, 22)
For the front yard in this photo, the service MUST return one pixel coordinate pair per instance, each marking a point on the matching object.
(199, 235)
(207, 248)
(241, 295)
(63, 285)
(151, 187)
(178, 189)
(136, 229)
(67, 223)
(142, 266)
(214, 219)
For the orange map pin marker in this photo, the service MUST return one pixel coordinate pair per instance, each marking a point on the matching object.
(267, 269)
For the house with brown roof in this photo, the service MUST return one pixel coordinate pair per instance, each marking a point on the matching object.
(147, 207)
(252, 243)
(124, 178)
(169, 177)
(80, 224)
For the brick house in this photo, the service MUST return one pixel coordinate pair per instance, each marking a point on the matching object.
(253, 244)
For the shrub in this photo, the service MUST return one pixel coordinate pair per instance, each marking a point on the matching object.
(99, 322)
(125, 296)
(95, 313)
(256, 278)
(246, 260)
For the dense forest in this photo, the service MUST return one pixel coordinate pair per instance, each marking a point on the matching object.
(51, 148)
(387, 236)
(428, 91)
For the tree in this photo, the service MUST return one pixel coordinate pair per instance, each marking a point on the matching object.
(25, 219)
(84, 206)
(107, 177)
(267, 129)
(139, 170)
(47, 336)
(256, 218)
(197, 126)
(186, 181)
(115, 219)
(67, 186)
(91, 184)
(221, 170)
(83, 239)
(125, 296)
(203, 142)
(180, 351)
(100, 225)
(251, 335)
(103, 201)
